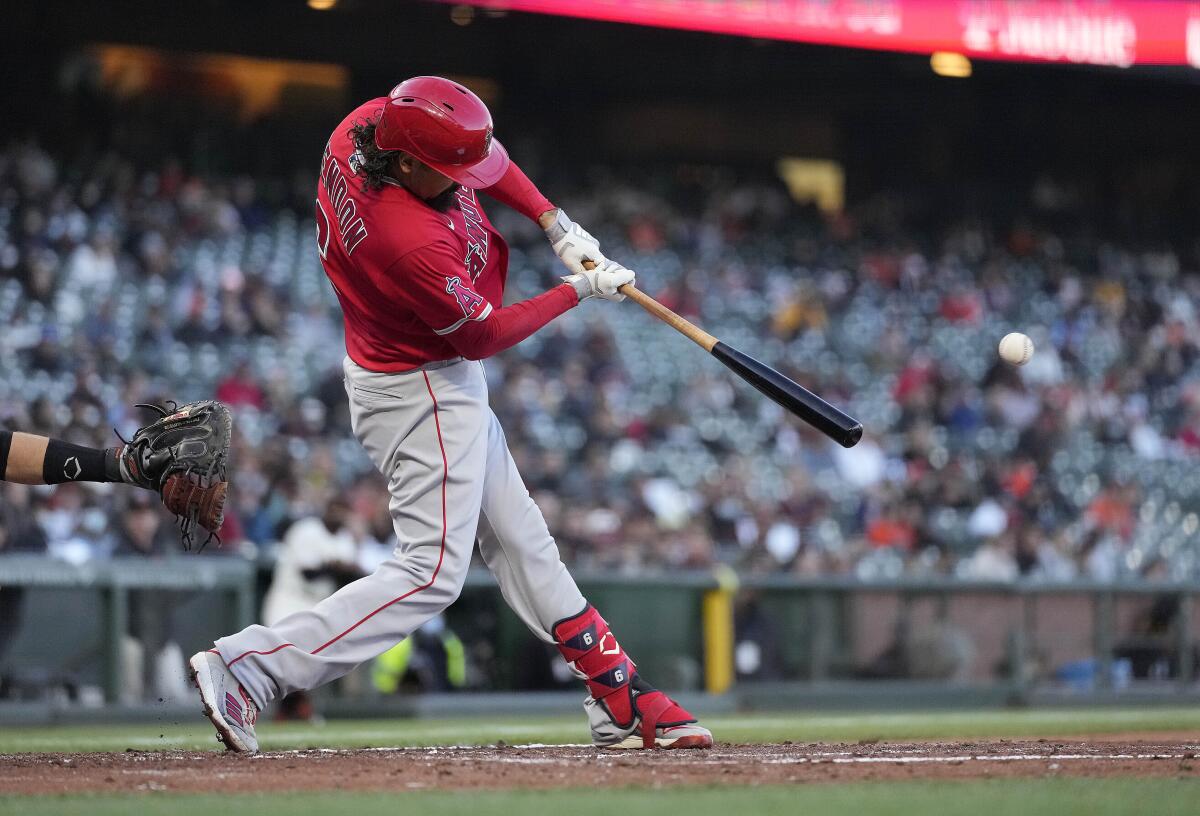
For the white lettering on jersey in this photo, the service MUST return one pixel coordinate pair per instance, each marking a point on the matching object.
(477, 238)
(345, 208)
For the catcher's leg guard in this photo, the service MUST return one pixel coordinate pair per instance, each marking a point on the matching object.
(587, 643)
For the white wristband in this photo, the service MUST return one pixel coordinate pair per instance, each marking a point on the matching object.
(558, 230)
(581, 285)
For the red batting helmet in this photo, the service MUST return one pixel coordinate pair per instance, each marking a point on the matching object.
(444, 125)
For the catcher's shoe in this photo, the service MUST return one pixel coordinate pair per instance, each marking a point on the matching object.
(659, 722)
(226, 704)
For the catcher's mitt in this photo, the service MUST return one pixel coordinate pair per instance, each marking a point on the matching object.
(182, 456)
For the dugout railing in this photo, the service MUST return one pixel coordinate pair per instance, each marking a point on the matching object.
(684, 628)
(72, 624)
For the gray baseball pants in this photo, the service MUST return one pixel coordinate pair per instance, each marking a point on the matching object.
(452, 481)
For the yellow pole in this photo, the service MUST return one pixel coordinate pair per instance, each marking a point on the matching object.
(717, 620)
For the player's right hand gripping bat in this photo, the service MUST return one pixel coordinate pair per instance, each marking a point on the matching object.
(827, 419)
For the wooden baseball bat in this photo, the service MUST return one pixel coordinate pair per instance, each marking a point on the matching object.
(841, 428)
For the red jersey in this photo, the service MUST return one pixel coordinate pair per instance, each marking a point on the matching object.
(417, 285)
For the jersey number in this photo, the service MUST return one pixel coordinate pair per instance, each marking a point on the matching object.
(323, 230)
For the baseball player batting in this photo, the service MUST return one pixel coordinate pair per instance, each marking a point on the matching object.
(419, 271)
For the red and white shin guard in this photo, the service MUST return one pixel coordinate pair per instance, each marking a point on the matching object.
(589, 646)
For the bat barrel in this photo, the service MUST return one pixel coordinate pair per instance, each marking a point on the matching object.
(838, 426)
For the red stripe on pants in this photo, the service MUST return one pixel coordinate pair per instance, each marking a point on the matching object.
(441, 553)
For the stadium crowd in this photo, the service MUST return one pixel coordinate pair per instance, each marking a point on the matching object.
(122, 283)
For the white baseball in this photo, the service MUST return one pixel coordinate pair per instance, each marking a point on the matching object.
(1016, 348)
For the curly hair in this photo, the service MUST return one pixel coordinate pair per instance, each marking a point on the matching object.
(369, 162)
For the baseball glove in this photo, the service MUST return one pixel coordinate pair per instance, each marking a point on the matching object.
(182, 455)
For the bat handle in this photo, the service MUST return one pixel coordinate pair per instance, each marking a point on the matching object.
(682, 325)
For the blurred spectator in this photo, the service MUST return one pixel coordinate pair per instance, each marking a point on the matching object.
(316, 557)
(1152, 647)
(756, 640)
(124, 282)
(431, 659)
(240, 389)
(153, 660)
(993, 561)
(937, 650)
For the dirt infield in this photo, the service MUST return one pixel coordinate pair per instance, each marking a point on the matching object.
(503, 767)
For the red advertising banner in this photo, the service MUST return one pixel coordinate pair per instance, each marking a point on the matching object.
(1092, 32)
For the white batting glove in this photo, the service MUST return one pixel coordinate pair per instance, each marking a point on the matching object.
(602, 282)
(572, 243)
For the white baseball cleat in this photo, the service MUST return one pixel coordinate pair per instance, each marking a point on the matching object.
(691, 735)
(226, 704)
(655, 721)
